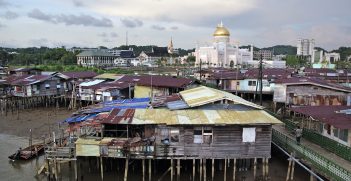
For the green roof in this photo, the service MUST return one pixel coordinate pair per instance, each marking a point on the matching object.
(94, 53)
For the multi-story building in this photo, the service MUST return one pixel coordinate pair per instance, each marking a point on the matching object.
(264, 54)
(95, 58)
(332, 57)
(305, 47)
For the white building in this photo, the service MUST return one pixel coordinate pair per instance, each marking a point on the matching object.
(332, 57)
(305, 47)
(222, 52)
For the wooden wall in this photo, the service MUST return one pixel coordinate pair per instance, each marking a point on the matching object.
(226, 143)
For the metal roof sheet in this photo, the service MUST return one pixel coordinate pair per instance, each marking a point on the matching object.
(188, 116)
(90, 83)
(204, 95)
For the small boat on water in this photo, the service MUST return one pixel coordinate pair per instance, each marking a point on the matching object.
(28, 153)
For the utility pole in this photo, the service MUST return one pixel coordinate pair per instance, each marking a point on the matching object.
(236, 78)
(200, 70)
(260, 75)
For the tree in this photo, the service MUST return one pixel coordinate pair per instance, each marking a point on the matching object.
(292, 61)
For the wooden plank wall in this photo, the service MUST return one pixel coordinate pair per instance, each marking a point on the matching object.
(227, 143)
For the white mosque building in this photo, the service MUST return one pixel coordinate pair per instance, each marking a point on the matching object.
(223, 52)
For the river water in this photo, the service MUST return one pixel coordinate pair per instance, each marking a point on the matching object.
(26, 170)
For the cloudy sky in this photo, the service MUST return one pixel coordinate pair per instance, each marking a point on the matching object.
(91, 23)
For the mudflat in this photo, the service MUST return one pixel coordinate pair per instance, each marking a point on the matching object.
(37, 119)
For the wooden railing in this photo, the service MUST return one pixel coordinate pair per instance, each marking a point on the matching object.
(319, 162)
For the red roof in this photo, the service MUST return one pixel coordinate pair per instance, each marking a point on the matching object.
(28, 79)
(270, 73)
(108, 85)
(312, 81)
(327, 114)
(119, 115)
(157, 81)
(80, 75)
(226, 75)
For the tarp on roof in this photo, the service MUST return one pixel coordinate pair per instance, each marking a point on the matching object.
(204, 95)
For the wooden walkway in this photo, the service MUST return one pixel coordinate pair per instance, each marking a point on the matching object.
(327, 163)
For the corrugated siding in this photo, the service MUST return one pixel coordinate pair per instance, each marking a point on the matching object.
(87, 150)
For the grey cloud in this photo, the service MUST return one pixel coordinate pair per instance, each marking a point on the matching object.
(85, 20)
(131, 22)
(78, 3)
(174, 27)
(10, 15)
(37, 14)
(113, 34)
(157, 27)
(4, 3)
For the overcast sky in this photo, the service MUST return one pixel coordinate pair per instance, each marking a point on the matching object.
(90, 23)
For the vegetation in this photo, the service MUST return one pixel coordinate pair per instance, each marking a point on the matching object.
(75, 68)
(344, 52)
(282, 50)
(296, 61)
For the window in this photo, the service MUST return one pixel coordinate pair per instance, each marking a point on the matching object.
(252, 83)
(197, 136)
(203, 135)
(47, 86)
(174, 135)
(249, 135)
(342, 134)
(207, 136)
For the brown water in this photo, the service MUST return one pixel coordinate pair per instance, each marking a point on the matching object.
(114, 169)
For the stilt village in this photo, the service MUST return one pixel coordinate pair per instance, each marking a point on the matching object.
(221, 119)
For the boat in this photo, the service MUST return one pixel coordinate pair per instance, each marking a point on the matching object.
(28, 152)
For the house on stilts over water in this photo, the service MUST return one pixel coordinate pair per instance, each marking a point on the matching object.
(197, 124)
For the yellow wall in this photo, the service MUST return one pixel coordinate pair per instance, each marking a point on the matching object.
(144, 91)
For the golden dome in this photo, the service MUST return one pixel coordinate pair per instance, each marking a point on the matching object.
(221, 31)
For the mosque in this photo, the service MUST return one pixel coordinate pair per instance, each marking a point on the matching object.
(223, 52)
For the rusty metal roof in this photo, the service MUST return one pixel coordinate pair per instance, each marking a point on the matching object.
(204, 95)
(189, 117)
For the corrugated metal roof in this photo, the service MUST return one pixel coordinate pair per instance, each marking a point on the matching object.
(204, 95)
(90, 83)
(109, 76)
(190, 117)
(174, 105)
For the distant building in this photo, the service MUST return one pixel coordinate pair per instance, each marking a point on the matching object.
(305, 47)
(222, 52)
(95, 58)
(264, 54)
(150, 58)
(332, 57)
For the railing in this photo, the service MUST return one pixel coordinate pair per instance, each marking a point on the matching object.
(331, 145)
(322, 164)
(60, 152)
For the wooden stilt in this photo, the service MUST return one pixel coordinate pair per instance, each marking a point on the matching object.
(178, 169)
(288, 173)
(255, 167)
(143, 165)
(201, 169)
(234, 169)
(126, 170)
(194, 169)
(149, 169)
(75, 170)
(172, 171)
(212, 174)
(267, 168)
(263, 168)
(292, 170)
(225, 169)
(204, 165)
(101, 169)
